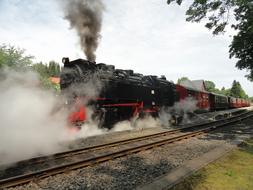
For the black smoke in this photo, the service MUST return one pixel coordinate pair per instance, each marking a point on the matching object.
(86, 17)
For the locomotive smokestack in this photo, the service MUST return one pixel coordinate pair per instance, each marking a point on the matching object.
(86, 17)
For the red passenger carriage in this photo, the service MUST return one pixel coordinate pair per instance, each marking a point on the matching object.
(201, 97)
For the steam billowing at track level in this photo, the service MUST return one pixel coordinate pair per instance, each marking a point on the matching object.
(85, 16)
(125, 95)
(30, 124)
(34, 120)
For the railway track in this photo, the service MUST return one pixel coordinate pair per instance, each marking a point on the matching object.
(88, 156)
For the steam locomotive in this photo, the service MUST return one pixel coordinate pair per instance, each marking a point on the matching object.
(116, 94)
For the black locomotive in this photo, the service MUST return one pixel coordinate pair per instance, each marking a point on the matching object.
(116, 94)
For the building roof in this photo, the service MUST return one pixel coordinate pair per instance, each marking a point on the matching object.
(194, 84)
(55, 80)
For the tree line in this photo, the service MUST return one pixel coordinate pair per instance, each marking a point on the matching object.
(236, 89)
(15, 58)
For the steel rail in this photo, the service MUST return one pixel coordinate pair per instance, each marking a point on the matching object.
(21, 179)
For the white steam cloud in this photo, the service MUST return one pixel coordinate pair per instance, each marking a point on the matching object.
(31, 122)
(187, 105)
(182, 108)
(137, 124)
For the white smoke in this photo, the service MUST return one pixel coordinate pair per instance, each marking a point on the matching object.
(123, 126)
(137, 124)
(187, 105)
(32, 122)
(90, 127)
(165, 117)
(86, 91)
(180, 109)
(89, 89)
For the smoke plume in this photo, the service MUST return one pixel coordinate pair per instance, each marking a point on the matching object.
(86, 17)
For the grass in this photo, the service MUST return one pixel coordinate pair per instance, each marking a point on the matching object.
(232, 172)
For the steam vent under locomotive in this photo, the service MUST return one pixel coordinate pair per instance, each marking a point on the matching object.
(114, 94)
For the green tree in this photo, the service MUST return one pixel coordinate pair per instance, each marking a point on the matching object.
(217, 13)
(242, 44)
(54, 69)
(237, 91)
(13, 57)
(210, 87)
(182, 79)
(41, 69)
(50, 70)
(45, 71)
(224, 91)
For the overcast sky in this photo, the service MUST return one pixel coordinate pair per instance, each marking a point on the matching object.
(149, 37)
